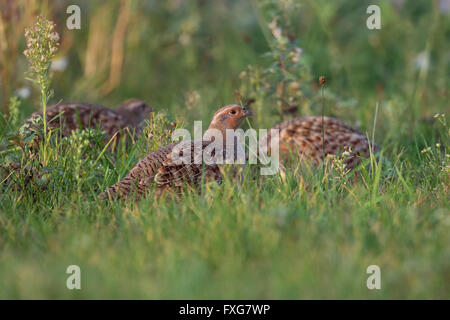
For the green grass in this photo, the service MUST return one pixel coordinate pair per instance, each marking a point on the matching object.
(267, 238)
(263, 239)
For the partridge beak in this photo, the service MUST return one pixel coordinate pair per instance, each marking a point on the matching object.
(247, 113)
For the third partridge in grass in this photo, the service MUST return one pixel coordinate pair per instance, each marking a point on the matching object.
(302, 137)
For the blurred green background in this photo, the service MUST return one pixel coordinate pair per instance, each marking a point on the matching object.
(186, 56)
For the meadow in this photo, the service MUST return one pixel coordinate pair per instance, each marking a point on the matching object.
(310, 234)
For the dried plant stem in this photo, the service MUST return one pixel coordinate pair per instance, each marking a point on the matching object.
(117, 52)
(282, 89)
(375, 121)
(44, 105)
(323, 131)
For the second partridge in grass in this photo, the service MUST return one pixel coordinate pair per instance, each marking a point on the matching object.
(302, 138)
(159, 171)
(69, 116)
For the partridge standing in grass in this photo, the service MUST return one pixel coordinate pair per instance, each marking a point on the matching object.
(70, 116)
(160, 171)
(302, 137)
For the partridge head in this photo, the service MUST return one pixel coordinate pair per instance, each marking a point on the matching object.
(134, 110)
(229, 117)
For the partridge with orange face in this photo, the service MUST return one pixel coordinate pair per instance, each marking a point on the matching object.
(162, 170)
(70, 116)
(302, 137)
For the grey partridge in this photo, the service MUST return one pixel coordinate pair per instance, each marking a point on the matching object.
(302, 137)
(69, 116)
(160, 172)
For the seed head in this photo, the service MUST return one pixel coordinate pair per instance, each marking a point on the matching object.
(322, 80)
(42, 43)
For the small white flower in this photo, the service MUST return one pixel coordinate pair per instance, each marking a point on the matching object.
(297, 54)
(54, 36)
(425, 150)
(23, 92)
(422, 60)
(59, 64)
(276, 31)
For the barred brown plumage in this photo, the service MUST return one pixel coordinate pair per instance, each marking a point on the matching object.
(69, 116)
(160, 172)
(303, 137)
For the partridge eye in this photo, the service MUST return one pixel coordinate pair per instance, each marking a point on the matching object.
(233, 111)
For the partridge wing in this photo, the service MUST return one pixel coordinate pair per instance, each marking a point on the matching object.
(185, 165)
(141, 179)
